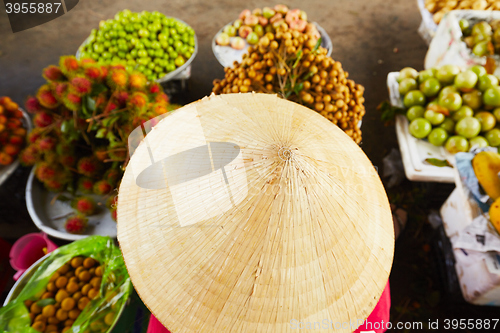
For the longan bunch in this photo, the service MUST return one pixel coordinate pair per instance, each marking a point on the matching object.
(292, 65)
(440, 7)
(69, 291)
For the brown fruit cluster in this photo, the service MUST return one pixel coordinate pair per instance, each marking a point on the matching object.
(292, 65)
(12, 132)
(69, 291)
(440, 7)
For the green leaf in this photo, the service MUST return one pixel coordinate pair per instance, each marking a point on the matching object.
(308, 75)
(288, 93)
(388, 111)
(298, 88)
(437, 162)
(46, 301)
(318, 43)
(90, 103)
(110, 121)
(85, 111)
(111, 137)
(299, 56)
(98, 88)
(101, 133)
(67, 126)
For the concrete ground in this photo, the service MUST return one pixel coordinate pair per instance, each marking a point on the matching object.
(370, 37)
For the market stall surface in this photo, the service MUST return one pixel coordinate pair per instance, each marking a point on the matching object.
(370, 38)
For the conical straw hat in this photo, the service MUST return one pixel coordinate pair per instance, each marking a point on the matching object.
(250, 213)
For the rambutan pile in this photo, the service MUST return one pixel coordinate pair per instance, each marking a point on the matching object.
(83, 116)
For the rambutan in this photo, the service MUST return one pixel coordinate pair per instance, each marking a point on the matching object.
(42, 119)
(113, 175)
(154, 88)
(51, 157)
(102, 187)
(159, 109)
(93, 73)
(117, 66)
(85, 185)
(122, 97)
(72, 101)
(162, 98)
(34, 134)
(46, 98)
(137, 80)
(16, 140)
(104, 72)
(101, 153)
(112, 201)
(46, 143)
(68, 65)
(44, 171)
(64, 148)
(54, 185)
(68, 161)
(32, 105)
(114, 214)
(76, 224)
(88, 166)
(29, 156)
(84, 205)
(110, 107)
(52, 73)
(118, 78)
(87, 61)
(137, 101)
(60, 88)
(81, 85)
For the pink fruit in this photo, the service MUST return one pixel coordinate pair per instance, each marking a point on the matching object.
(311, 30)
(283, 9)
(292, 15)
(76, 224)
(277, 23)
(275, 18)
(263, 21)
(238, 43)
(244, 31)
(244, 14)
(298, 25)
(251, 20)
(257, 12)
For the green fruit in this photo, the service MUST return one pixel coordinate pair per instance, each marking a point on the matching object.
(451, 102)
(435, 118)
(446, 73)
(425, 74)
(447, 90)
(420, 128)
(448, 125)
(479, 70)
(466, 80)
(456, 144)
(463, 112)
(230, 30)
(468, 127)
(473, 99)
(430, 87)
(438, 136)
(493, 137)
(252, 38)
(487, 81)
(414, 112)
(481, 49)
(179, 61)
(414, 97)
(496, 113)
(478, 141)
(491, 97)
(407, 72)
(482, 28)
(487, 120)
(464, 24)
(406, 85)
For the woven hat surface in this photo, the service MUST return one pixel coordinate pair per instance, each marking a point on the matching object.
(250, 213)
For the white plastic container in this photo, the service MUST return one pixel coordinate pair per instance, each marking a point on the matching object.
(414, 151)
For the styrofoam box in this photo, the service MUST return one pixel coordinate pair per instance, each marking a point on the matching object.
(415, 151)
(478, 272)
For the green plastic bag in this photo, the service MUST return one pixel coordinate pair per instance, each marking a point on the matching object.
(114, 291)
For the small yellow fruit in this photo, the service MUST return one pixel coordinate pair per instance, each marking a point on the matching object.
(495, 214)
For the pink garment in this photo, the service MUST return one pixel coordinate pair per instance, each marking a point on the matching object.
(378, 317)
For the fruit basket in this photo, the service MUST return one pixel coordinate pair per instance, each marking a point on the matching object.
(7, 170)
(226, 55)
(112, 288)
(49, 214)
(414, 151)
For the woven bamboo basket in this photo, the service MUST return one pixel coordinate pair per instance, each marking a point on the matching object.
(249, 213)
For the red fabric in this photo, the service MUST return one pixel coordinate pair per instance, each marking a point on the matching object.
(379, 314)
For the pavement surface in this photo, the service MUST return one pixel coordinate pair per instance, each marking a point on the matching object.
(370, 38)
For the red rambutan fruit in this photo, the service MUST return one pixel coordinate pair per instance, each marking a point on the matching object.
(42, 119)
(76, 224)
(72, 101)
(113, 175)
(114, 214)
(84, 205)
(88, 166)
(162, 98)
(81, 85)
(137, 80)
(29, 156)
(52, 73)
(44, 172)
(137, 101)
(104, 72)
(93, 73)
(159, 109)
(85, 185)
(67, 161)
(110, 107)
(102, 187)
(154, 88)
(122, 97)
(54, 185)
(64, 148)
(112, 201)
(68, 65)
(32, 105)
(118, 78)
(46, 143)
(34, 134)
(46, 98)
(60, 88)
